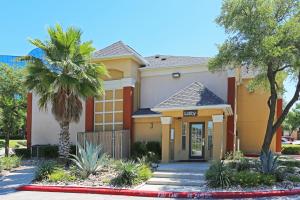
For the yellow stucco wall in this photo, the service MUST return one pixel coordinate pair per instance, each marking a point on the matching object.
(147, 129)
(252, 111)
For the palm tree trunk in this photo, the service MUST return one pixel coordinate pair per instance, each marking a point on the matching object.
(6, 144)
(64, 140)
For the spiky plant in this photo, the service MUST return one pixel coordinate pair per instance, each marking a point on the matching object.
(63, 77)
(268, 162)
(90, 159)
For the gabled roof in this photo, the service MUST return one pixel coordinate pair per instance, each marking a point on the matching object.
(196, 94)
(171, 61)
(145, 112)
(118, 49)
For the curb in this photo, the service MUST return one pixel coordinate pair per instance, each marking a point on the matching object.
(162, 194)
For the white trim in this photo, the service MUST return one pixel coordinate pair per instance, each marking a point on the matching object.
(137, 58)
(166, 120)
(145, 116)
(225, 107)
(109, 123)
(119, 84)
(113, 111)
(109, 112)
(217, 118)
(101, 101)
(146, 72)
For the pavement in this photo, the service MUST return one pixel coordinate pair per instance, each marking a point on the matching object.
(21, 176)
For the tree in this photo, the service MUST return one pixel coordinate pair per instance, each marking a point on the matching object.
(63, 77)
(12, 101)
(292, 120)
(263, 35)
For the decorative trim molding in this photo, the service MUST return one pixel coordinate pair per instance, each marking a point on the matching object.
(146, 72)
(217, 118)
(145, 116)
(166, 120)
(119, 84)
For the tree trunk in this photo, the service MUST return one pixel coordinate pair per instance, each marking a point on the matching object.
(64, 140)
(6, 144)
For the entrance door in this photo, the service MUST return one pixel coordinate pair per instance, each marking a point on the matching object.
(197, 140)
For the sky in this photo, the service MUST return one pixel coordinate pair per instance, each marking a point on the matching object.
(171, 27)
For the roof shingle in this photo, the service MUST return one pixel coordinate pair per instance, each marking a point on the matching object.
(195, 94)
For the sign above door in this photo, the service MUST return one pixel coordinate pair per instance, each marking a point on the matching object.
(190, 113)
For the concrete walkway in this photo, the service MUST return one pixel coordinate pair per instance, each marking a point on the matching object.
(21, 176)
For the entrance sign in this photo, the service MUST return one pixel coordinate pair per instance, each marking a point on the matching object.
(190, 113)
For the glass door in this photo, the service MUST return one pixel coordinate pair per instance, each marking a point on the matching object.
(196, 140)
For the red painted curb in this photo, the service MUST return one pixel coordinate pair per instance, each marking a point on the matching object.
(163, 194)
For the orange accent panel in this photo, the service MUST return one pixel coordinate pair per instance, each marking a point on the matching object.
(128, 111)
(29, 119)
(279, 130)
(230, 119)
(89, 114)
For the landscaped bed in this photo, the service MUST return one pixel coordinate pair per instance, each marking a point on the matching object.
(93, 168)
(238, 173)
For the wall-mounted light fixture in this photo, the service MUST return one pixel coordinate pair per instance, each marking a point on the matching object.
(176, 75)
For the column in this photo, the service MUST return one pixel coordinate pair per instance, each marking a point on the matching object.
(89, 114)
(128, 111)
(165, 140)
(219, 138)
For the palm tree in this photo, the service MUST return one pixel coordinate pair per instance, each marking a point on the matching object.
(63, 77)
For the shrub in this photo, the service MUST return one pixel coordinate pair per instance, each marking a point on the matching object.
(128, 173)
(289, 163)
(10, 162)
(294, 179)
(218, 175)
(144, 173)
(24, 153)
(138, 150)
(268, 162)
(155, 147)
(252, 179)
(90, 159)
(44, 170)
(60, 175)
(290, 149)
(237, 155)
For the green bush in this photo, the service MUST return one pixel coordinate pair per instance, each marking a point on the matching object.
(294, 179)
(127, 174)
(218, 175)
(144, 173)
(290, 149)
(10, 162)
(252, 179)
(49, 151)
(289, 163)
(24, 153)
(44, 170)
(138, 150)
(155, 147)
(60, 175)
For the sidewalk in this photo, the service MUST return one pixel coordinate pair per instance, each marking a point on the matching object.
(21, 176)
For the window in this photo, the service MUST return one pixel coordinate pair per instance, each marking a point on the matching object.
(183, 135)
(109, 111)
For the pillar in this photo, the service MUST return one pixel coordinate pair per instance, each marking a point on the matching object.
(89, 114)
(128, 111)
(279, 130)
(219, 137)
(165, 140)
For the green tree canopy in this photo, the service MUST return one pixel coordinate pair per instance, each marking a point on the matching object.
(263, 35)
(12, 101)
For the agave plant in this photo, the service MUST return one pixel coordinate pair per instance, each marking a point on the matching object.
(90, 159)
(268, 162)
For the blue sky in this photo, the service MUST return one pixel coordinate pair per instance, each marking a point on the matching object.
(174, 27)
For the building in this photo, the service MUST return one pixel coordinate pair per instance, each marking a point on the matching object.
(171, 99)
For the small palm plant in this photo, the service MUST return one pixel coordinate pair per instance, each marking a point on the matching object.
(90, 159)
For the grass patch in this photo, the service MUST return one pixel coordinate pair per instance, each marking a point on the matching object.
(14, 143)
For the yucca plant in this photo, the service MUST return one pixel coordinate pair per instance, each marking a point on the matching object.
(90, 159)
(128, 173)
(268, 162)
(218, 175)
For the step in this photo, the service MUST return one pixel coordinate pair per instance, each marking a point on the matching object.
(175, 181)
(171, 188)
(182, 175)
(181, 170)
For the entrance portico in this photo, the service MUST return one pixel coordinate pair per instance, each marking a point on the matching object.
(193, 125)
